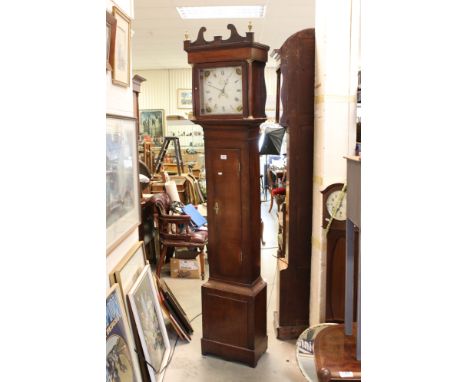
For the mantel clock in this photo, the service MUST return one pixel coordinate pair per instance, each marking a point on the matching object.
(229, 96)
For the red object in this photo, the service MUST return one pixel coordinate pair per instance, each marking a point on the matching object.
(278, 191)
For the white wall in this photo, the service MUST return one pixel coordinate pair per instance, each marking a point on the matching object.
(337, 61)
(159, 91)
(120, 101)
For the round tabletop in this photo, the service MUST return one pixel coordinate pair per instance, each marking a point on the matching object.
(305, 351)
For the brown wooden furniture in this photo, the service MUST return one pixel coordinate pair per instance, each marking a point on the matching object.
(274, 183)
(146, 230)
(175, 232)
(234, 298)
(336, 253)
(353, 224)
(158, 187)
(297, 69)
(335, 355)
(282, 239)
(136, 82)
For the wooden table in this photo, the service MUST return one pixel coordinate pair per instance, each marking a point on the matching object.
(335, 355)
(305, 352)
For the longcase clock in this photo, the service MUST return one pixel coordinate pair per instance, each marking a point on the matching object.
(229, 96)
(334, 222)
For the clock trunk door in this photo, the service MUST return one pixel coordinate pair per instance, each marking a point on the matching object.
(226, 245)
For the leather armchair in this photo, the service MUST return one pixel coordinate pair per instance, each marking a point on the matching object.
(176, 231)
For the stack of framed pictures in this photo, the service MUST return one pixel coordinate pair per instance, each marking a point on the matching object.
(174, 311)
(128, 269)
(146, 297)
(121, 359)
(147, 315)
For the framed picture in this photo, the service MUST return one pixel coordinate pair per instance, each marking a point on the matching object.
(122, 198)
(121, 359)
(121, 59)
(152, 124)
(184, 98)
(149, 321)
(111, 26)
(174, 311)
(128, 269)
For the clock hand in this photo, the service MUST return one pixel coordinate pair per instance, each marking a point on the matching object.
(221, 90)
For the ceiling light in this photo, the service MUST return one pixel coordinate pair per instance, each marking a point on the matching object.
(223, 12)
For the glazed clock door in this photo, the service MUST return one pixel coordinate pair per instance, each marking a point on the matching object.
(227, 223)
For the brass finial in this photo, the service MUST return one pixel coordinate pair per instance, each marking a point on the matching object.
(186, 35)
(250, 26)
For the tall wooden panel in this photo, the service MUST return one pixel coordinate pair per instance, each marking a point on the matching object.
(297, 71)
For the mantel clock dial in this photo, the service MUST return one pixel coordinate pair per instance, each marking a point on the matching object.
(334, 205)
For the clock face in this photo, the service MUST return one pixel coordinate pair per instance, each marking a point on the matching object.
(332, 204)
(221, 90)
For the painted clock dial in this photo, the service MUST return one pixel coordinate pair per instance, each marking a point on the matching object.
(333, 202)
(221, 90)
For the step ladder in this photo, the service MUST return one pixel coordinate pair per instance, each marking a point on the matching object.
(162, 154)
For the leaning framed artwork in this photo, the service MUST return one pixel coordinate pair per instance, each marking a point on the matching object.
(122, 199)
(184, 98)
(149, 321)
(111, 26)
(121, 359)
(126, 272)
(121, 61)
(152, 123)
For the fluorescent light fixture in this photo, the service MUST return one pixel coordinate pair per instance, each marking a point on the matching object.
(223, 12)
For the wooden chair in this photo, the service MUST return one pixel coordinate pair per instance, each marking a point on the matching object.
(175, 231)
(274, 187)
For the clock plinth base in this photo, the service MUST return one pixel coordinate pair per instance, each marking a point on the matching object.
(287, 332)
(234, 321)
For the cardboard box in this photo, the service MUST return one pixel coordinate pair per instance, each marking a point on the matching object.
(185, 253)
(185, 268)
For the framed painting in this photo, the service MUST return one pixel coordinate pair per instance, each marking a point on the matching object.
(152, 124)
(122, 198)
(149, 321)
(121, 360)
(121, 59)
(128, 269)
(184, 98)
(111, 24)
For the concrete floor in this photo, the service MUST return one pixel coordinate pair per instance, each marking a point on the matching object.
(278, 364)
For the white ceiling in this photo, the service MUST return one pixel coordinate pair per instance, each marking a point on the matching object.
(159, 30)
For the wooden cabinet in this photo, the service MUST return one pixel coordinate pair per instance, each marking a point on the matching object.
(296, 71)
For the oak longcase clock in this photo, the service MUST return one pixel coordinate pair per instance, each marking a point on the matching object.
(229, 96)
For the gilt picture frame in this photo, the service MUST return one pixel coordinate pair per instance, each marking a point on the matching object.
(121, 59)
(153, 124)
(126, 272)
(152, 333)
(184, 98)
(121, 360)
(111, 25)
(122, 197)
